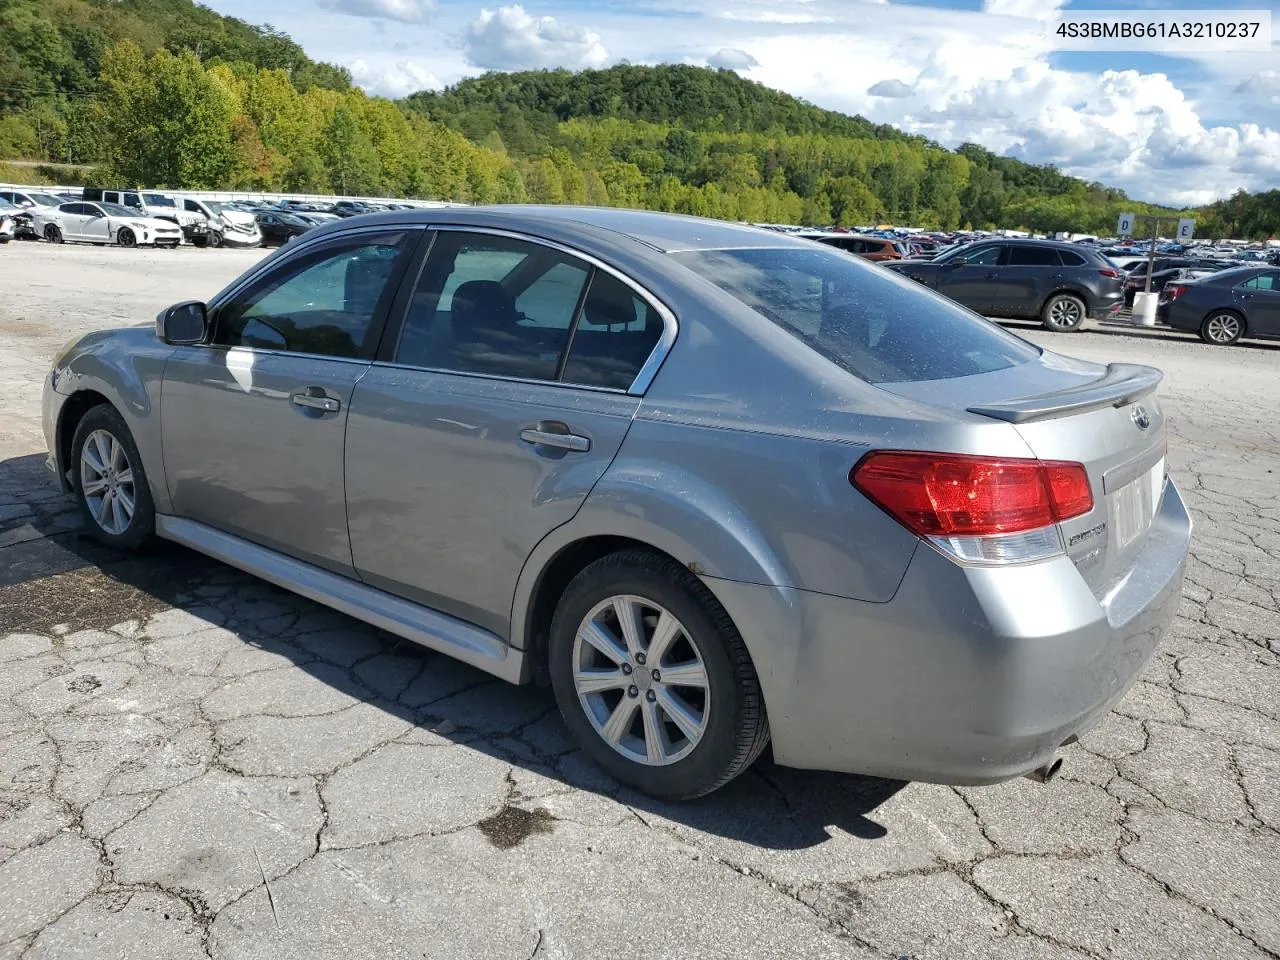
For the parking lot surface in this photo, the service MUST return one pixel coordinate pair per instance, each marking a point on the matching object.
(195, 764)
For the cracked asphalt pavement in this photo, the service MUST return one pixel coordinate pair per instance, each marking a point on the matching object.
(196, 764)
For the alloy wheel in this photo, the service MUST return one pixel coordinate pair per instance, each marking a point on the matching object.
(1064, 313)
(106, 480)
(641, 680)
(1223, 327)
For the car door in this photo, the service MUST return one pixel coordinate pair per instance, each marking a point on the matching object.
(973, 282)
(1259, 300)
(1026, 277)
(482, 429)
(95, 225)
(253, 423)
(72, 218)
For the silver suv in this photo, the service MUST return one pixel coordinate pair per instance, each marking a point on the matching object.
(714, 484)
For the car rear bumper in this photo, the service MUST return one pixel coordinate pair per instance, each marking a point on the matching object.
(968, 675)
(1107, 308)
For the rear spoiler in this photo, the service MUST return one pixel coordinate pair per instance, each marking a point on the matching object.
(1122, 383)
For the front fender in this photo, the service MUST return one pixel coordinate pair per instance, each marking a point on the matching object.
(127, 368)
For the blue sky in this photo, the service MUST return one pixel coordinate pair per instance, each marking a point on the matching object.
(1184, 128)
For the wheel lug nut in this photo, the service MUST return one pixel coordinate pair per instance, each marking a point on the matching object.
(651, 696)
(640, 658)
(657, 675)
(626, 668)
(633, 691)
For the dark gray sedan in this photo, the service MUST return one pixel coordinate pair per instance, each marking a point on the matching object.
(1225, 306)
(713, 484)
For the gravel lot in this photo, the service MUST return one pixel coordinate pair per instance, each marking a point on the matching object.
(193, 763)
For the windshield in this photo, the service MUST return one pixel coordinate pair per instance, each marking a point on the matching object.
(45, 200)
(159, 200)
(215, 206)
(116, 210)
(875, 324)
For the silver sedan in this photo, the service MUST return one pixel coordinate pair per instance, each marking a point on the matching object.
(717, 486)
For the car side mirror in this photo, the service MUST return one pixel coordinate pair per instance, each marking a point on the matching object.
(958, 262)
(183, 324)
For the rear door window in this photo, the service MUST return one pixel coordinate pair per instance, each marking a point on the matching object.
(493, 305)
(872, 322)
(1263, 281)
(1021, 256)
(1071, 259)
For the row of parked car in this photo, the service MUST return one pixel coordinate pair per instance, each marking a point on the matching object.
(1063, 284)
(130, 218)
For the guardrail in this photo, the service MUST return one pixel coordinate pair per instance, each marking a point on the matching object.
(226, 195)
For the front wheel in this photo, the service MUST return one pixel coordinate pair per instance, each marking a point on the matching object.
(1063, 313)
(653, 679)
(110, 481)
(126, 238)
(215, 239)
(1222, 328)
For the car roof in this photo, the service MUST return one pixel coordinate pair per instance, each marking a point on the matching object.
(668, 232)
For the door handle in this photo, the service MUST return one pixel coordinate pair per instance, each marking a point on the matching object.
(991, 276)
(1055, 276)
(1246, 296)
(327, 404)
(562, 441)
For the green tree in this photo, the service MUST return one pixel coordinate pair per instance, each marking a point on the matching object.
(349, 155)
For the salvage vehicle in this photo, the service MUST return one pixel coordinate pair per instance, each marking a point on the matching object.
(228, 226)
(8, 220)
(716, 485)
(32, 202)
(104, 223)
(1062, 284)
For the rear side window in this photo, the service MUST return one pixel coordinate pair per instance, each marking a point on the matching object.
(616, 332)
(1263, 281)
(1071, 259)
(1020, 256)
(871, 322)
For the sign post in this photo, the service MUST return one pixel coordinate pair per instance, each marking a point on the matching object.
(1144, 306)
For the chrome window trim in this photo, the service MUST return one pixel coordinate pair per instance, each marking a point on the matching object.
(500, 378)
(648, 370)
(270, 352)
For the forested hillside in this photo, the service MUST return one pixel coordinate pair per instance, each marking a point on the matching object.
(168, 93)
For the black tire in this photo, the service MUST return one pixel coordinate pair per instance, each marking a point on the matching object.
(1063, 313)
(52, 233)
(215, 239)
(1222, 328)
(142, 525)
(125, 237)
(736, 726)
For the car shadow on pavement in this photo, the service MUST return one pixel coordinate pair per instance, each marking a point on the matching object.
(55, 578)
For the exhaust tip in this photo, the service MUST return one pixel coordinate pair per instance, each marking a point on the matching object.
(1047, 772)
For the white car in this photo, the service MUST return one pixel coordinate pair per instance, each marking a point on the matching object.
(103, 223)
(30, 201)
(228, 226)
(8, 222)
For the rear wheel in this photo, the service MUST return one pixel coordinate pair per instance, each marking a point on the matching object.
(1222, 328)
(126, 238)
(1064, 312)
(653, 679)
(110, 481)
(52, 233)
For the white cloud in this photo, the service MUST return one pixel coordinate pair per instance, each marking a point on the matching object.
(406, 11)
(894, 89)
(730, 59)
(395, 81)
(1265, 85)
(1031, 9)
(510, 39)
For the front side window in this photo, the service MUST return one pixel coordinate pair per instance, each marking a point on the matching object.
(1263, 281)
(493, 305)
(325, 302)
(987, 256)
(871, 322)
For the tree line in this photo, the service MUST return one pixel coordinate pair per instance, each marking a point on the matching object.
(163, 93)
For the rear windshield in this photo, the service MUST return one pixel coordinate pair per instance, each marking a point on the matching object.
(877, 325)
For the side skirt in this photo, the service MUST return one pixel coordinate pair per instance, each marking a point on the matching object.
(434, 630)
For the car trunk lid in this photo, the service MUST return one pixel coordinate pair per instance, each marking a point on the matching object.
(1105, 417)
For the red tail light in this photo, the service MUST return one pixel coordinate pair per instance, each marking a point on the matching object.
(1108, 272)
(1173, 291)
(950, 495)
